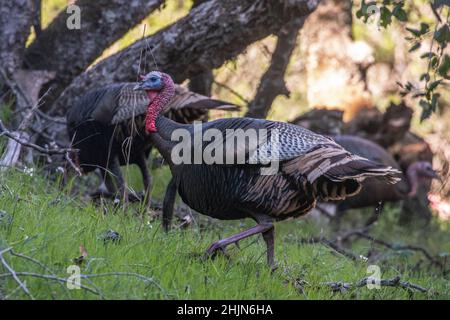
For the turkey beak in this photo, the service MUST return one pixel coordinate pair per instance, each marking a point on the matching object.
(435, 175)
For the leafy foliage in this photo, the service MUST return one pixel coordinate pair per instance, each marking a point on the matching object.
(437, 34)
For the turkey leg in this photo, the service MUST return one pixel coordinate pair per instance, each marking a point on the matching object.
(146, 177)
(268, 234)
(168, 204)
(103, 191)
(269, 238)
(114, 167)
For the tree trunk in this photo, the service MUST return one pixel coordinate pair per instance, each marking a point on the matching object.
(68, 52)
(272, 82)
(202, 82)
(15, 24)
(333, 61)
(208, 36)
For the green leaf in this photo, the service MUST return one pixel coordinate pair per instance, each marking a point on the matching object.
(434, 62)
(416, 33)
(444, 68)
(442, 35)
(424, 28)
(434, 85)
(434, 101)
(425, 77)
(426, 110)
(415, 47)
(385, 17)
(399, 13)
(428, 55)
(419, 94)
(360, 12)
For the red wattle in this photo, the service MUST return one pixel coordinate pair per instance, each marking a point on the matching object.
(158, 99)
(152, 95)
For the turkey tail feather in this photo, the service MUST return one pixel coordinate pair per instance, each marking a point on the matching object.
(338, 165)
(335, 173)
(359, 168)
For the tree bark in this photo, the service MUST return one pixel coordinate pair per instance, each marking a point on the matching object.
(15, 24)
(272, 82)
(209, 35)
(36, 17)
(333, 61)
(68, 52)
(202, 82)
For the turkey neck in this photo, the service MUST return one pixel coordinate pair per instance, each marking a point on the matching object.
(159, 127)
(413, 181)
(162, 138)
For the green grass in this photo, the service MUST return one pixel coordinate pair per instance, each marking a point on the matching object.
(49, 223)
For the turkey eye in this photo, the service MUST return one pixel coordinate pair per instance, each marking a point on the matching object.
(153, 79)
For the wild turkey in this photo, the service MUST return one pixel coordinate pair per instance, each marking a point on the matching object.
(417, 176)
(311, 167)
(323, 121)
(389, 129)
(107, 126)
(385, 128)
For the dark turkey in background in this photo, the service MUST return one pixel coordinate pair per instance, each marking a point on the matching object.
(390, 131)
(107, 125)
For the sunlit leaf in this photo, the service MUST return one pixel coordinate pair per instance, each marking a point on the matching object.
(416, 46)
(444, 68)
(399, 13)
(442, 35)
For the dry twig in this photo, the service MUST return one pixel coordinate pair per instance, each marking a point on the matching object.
(394, 282)
(5, 132)
(13, 273)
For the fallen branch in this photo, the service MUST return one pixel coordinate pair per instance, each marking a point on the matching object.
(50, 277)
(11, 135)
(37, 262)
(13, 273)
(126, 274)
(396, 247)
(394, 282)
(332, 244)
(336, 243)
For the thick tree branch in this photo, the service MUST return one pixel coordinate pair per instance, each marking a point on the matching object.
(69, 52)
(272, 82)
(211, 34)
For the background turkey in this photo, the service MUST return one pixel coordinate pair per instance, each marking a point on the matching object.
(415, 179)
(323, 121)
(311, 167)
(107, 125)
(390, 131)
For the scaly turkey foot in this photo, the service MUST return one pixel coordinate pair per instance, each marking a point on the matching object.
(101, 193)
(211, 252)
(136, 197)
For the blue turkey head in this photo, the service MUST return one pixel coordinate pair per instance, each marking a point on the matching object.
(153, 81)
